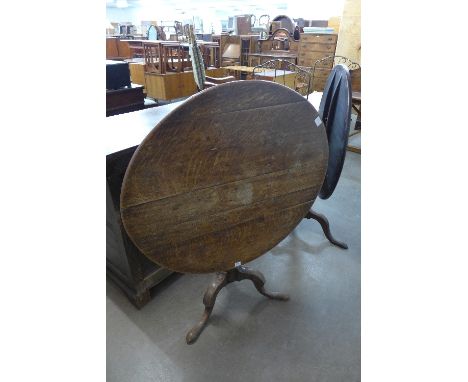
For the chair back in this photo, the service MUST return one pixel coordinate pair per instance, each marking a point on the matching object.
(286, 73)
(323, 67)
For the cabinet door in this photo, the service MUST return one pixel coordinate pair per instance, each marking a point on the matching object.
(111, 48)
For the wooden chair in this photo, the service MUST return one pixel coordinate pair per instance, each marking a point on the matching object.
(198, 65)
(154, 57)
(301, 77)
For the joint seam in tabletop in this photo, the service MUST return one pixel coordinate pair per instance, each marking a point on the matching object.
(272, 244)
(238, 207)
(216, 112)
(244, 222)
(266, 175)
(203, 218)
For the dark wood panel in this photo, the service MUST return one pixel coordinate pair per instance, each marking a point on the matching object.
(124, 100)
(112, 50)
(133, 272)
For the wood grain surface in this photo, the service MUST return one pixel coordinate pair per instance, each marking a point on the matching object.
(224, 177)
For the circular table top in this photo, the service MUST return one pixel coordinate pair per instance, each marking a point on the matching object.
(224, 177)
(335, 111)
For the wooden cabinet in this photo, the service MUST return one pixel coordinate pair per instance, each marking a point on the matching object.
(124, 100)
(313, 47)
(174, 85)
(112, 51)
(125, 264)
(137, 72)
(117, 48)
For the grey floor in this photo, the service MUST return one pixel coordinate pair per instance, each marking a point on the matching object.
(315, 336)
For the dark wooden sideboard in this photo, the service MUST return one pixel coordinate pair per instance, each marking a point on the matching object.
(125, 264)
(124, 100)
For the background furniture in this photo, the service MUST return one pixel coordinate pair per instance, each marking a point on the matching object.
(235, 49)
(121, 95)
(356, 104)
(279, 45)
(315, 46)
(322, 68)
(240, 72)
(292, 76)
(198, 64)
(117, 74)
(124, 100)
(166, 65)
(118, 48)
(285, 22)
(257, 59)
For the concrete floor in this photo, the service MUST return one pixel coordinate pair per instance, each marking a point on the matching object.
(315, 336)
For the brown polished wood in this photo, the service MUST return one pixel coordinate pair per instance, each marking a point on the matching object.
(224, 177)
(323, 221)
(124, 100)
(239, 273)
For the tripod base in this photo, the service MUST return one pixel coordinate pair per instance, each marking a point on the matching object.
(222, 279)
(326, 228)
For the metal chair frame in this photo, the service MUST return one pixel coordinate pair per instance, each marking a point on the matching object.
(283, 65)
(331, 61)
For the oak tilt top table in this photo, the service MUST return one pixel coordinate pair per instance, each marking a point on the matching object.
(222, 179)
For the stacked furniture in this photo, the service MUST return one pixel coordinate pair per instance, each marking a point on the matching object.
(167, 65)
(235, 49)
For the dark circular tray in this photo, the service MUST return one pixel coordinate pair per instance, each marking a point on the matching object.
(335, 111)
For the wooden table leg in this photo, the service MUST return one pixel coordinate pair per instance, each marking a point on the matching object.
(326, 228)
(209, 300)
(239, 273)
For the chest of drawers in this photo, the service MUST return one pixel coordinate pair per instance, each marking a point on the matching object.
(313, 47)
